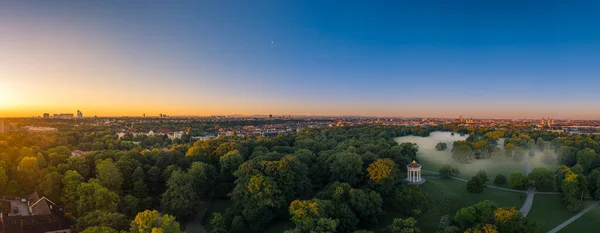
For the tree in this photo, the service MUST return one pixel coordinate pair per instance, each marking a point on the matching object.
(408, 200)
(475, 185)
(29, 172)
(463, 153)
(138, 175)
(92, 196)
(99, 229)
(217, 224)
(3, 180)
(441, 146)
(483, 176)
(115, 221)
(179, 199)
(203, 176)
(366, 204)
(543, 179)
(574, 187)
(70, 183)
(51, 186)
(402, 226)
(500, 180)
(585, 158)
(383, 175)
(109, 175)
(447, 171)
(347, 167)
(470, 216)
(229, 163)
(518, 181)
(306, 214)
(150, 221)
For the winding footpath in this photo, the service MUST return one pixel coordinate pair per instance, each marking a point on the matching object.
(530, 192)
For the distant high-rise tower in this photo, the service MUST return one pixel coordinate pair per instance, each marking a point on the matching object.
(79, 114)
(2, 129)
(460, 118)
(144, 115)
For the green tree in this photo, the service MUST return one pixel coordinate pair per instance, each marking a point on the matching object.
(150, 221)
(447, 171)
(99, 229)
(347, 167)
(229, 163)
(441, 146)
(483, 176)
(475, 185)
(518, 181)
(115, 221)
(500, 180)
(109, 175)
(179, 199)
(29, 172)
(70, 182)
(3, 180)
(585, 158)
(51, 186)
(217, 224)
(367, 204)
(399, 225)
(543, 179)
(463, 153)
(306, 214)
(92, 196)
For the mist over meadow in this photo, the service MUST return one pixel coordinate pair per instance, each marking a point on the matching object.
(432, 159)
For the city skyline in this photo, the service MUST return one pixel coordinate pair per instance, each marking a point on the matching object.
(437, 59)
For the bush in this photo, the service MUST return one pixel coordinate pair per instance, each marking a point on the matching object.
(500, 180)
(475, 185)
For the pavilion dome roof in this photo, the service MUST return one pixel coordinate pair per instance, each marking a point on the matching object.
(414, 164)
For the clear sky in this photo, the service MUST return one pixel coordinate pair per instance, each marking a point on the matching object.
(385, 58)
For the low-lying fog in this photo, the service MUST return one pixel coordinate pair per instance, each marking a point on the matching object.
(432, 159)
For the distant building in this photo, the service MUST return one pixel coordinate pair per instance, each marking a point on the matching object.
(64, 116)
(34, 129)
(79, 114)
(3, 128)
(460, 118)
(46, 115)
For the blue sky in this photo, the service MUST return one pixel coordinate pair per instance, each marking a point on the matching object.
(386, 58)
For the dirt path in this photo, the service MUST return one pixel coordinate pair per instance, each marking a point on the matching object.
(572, 219)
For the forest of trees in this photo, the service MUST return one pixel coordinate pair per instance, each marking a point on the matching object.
(338, 179)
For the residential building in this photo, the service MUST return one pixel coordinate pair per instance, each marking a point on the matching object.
(79, 114)
(32, 214)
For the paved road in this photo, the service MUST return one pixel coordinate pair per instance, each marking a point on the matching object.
(572, 219)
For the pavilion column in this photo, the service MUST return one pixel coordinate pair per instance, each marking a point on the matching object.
(419, 177)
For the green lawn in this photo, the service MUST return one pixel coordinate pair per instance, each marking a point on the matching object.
(588, 223)
(446, 197)
(549, 210)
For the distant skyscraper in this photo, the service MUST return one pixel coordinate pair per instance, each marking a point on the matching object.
(2, 129)
(460, 118)
(144, 115)
(79, 114)
(46, 115)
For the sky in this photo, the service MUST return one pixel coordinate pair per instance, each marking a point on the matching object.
(482, 59)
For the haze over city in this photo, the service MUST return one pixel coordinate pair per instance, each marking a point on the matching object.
(488, 59)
